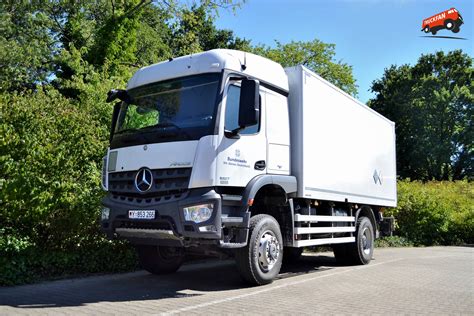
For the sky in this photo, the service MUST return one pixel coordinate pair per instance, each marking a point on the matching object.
(370, 35)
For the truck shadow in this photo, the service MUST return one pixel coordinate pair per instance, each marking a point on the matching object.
(307, 264)
(194, 279)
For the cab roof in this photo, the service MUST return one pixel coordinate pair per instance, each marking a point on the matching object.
(214, 60)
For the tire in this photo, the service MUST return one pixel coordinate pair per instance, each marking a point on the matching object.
(449, 24)
(260, 261)
(360, 252)
(426, 29)
(455, 30)
(160, 259)
(434, 32)
(292, 254)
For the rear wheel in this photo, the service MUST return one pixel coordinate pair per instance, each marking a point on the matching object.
(260, 261)
(426, 29)
(160, 259)
(362, 250)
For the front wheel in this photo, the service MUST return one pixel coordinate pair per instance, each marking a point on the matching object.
(160, 259)
(260, 261)
(449, 24)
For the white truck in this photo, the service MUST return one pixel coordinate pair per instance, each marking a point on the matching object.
(227, 152)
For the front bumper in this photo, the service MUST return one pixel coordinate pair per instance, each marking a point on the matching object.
(169, 228)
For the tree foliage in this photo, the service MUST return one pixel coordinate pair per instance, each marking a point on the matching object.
(112, 36)
(116, 40)
(432, 104)
(195, 32)
(317, 56)
(27, 47)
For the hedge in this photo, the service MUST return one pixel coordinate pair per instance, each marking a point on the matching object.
(23, 262)
(435, 213)
(51, 150)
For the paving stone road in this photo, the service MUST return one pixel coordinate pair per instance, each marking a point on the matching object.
(436, 280)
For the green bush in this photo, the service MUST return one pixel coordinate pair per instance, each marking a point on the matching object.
(435, 213)
(50, 154)
(392, 241)
(51, 150)
(23, 262)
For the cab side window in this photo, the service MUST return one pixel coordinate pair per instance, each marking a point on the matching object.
(232, 112)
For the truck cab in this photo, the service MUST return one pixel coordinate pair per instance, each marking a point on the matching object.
(199, 158)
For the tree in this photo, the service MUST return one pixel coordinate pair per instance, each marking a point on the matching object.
(26, 46)
(112, 36)
(153, 36)
(317, 56)
(432, 106)
(195, 32)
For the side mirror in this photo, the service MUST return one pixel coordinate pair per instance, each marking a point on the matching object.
(249, 104)
(117, 94)
(114, 119)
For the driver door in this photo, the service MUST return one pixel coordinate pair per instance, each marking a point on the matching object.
(240, 159)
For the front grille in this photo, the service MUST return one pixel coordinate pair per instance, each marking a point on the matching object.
(168, 184)
(129, 198)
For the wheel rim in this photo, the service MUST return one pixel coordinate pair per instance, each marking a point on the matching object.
(268, 251)
(449, 25)
(366, 241)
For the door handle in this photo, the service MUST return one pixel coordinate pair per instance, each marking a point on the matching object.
(260, 165)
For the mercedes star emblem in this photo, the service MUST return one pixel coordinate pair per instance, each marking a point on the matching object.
(144, 180)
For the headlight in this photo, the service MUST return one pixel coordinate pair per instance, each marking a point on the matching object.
(198, 213)
(105, 213)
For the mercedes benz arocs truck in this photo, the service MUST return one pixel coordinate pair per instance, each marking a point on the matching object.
(227, 152)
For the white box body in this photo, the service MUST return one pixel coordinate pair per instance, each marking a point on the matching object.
(341, 150)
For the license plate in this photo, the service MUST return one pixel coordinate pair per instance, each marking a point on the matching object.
(141, 214)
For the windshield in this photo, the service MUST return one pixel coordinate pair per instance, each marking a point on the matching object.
(172, 110)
